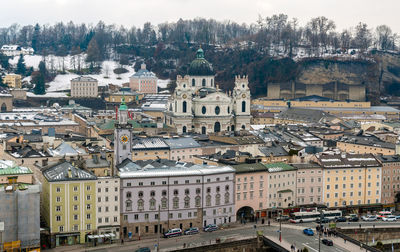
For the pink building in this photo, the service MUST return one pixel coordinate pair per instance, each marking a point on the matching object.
(309, 184)
(143, 81)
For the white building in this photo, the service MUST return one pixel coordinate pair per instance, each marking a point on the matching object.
(16, 50)
(108, 205)
(84, 86)
(198, 105)
(188, 195)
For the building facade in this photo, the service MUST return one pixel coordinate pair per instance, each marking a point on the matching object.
(69, 203)
(13, 80)
(143, 81)
(199, 106)
(282, 185)
(84, 86)
(185, 194)
(390, 178)
(309, 184)
(107, 206)
(350, 179)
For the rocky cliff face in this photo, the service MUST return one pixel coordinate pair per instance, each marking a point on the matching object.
(389, 72)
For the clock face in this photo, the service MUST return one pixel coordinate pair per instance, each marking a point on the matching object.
(124, 139)
(184, 96)
(243, 96)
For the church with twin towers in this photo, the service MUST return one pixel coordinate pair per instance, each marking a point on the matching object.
(199, 106)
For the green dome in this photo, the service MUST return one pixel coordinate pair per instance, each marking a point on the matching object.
(123, 106)
(200, 66)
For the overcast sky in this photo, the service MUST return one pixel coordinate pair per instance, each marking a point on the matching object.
(345, 13)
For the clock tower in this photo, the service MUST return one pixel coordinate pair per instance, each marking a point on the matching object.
(122, 135)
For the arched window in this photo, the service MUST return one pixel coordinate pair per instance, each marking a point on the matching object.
(187, 202)
(243, 126)
(217, 110)
(170, 107)
(193, 82)
(152, 193)
(217, 127)
(152, 204)
(128, 205)
(203, 110)
(187, 191)
(229, 110)
(164, 203)
(184, 105)
(184, 85)
(218, 199)
(128, 194)
(176, 105)
(208, 200)
(203, 130)
(176, 192)
(226, 198)
(212, 82)
(184, 129)
(140, 205)
(164, 193)
(243, 106)
(198, 201)
(140, 194)
(233, 127)
(203, 82)
(3, 107)
(175, 203)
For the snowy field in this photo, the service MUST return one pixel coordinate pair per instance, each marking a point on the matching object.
(62, 81)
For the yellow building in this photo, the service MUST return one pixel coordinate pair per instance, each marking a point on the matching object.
(365, 145)
(350, 179)
(129, 97)
(13, 80)
(150, 149)
(69, 203)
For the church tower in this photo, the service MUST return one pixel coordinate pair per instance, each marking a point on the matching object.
(122, 135)
(241, 108)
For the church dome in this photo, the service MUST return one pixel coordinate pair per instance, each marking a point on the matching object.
(200, 66)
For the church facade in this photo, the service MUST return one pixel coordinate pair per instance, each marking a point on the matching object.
(199, 106)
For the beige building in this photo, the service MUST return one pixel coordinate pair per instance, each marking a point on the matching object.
(6, 102)
(108, 204)
(13, 80)
(84, 86)
(365, 145)
(282, 185)
(350, 179)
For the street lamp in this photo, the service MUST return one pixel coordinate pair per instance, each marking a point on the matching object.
(320, 230)
(280, 226)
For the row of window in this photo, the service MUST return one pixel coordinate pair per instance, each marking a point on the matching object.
(106, 209)
(176, 182)
(351, 202)
(302, 190)
(75, 198)
(175, 202)
(76, 217)
(302, 199)
(106, 189)
(75, 227)
(303, 180)
(75, 188)
(107, 219)
(351, 185)
(351, 194)
(351, 178)
(106, 199)
(352, 170)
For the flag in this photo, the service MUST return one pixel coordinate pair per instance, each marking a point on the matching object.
(280, 237)
(373, 240)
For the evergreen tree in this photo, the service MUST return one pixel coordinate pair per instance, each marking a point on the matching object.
(2, 84)
(4, 61)
(21, 68)
(35, 38)
(39, 78)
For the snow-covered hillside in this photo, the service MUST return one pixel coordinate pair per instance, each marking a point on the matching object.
(62, 81)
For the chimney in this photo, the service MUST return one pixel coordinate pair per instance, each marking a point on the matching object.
(69, 172)
(143, 66)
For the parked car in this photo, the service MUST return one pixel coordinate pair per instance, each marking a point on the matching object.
(210, 228)
(323, 220)
(353, 219)
(143, 250)
(283, 218)
(397, 217)
(389, 218)
(327, 242)
(190, 231)
(369, 218)
(173, 232)
(308, 231)
(341, 219)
